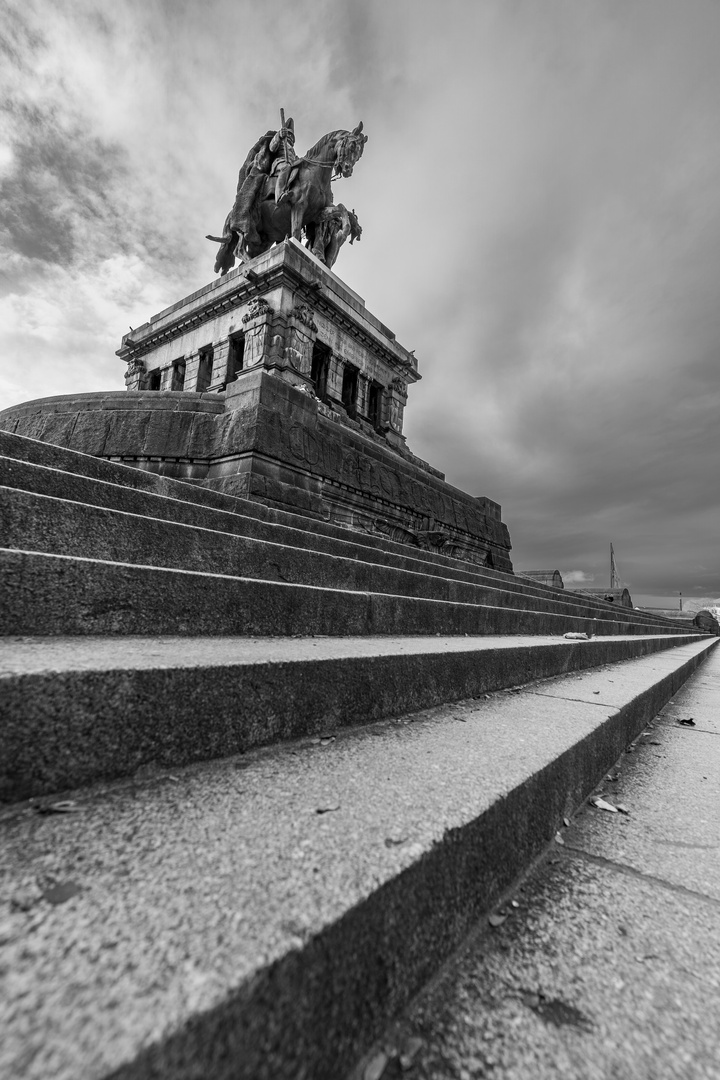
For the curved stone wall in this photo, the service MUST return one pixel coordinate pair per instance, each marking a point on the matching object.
(170, 432)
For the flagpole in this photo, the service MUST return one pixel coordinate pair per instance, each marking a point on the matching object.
(284, 141)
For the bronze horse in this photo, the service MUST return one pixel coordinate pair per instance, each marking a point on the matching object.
(304, 188)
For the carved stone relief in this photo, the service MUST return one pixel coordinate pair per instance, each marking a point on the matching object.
(304, 314)
(257, 324)
(302, 331)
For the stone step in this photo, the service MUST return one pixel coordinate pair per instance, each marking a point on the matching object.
(23, 477)
(80, 710)
(44, 594)
(42, 523)
(20, 449)
(263, 917)
(31, 465)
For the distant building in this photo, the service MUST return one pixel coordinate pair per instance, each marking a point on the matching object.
(708, 620)
(545, 577)
(668, 613)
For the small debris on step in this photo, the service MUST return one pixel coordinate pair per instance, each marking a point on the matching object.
(689, 722)
(602, 805)
(63, 806)
(376, 1066)
(62, 892)
(327, 809)
(409, 1052)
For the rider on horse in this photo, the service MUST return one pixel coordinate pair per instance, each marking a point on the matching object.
(279, 194)
(272, 155)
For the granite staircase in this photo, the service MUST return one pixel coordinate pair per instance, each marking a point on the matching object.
(261, 774)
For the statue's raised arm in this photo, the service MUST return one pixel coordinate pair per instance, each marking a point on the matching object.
(279, 194)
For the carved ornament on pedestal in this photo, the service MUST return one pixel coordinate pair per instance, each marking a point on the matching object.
(134, 373)
(257, 323)
(304, 314)
(301, 335)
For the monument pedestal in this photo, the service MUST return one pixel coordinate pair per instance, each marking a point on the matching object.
(275, 383)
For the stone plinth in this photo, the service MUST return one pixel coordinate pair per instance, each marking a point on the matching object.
(300, 406)
(287, 313)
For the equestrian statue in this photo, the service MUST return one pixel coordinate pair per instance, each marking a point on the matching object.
(279, 194)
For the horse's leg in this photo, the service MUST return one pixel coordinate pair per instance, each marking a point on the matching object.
(318, 248)
(331, 252)
(297, 214)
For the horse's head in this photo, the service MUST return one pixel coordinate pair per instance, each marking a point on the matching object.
(349, 150)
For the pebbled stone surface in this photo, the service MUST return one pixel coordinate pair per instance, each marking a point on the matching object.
(77, 710)
(607, 963)
(158, 536)
(261, 916)
(60, 594)
(672, 793)
(30, 465)
(593, 976)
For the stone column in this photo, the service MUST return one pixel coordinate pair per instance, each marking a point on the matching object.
(362, 394)
(221, 354)
(166, 377)
(192, 365)
(334, 380)
(396, 407)
(135, 375)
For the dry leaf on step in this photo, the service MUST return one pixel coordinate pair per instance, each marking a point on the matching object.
(602, 805)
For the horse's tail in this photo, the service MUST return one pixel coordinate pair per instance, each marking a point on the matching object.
(226, 253)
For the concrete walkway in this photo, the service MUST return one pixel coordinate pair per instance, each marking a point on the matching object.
(607, 963)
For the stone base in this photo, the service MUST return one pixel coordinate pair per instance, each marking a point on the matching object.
(277, 384)
(266, 440)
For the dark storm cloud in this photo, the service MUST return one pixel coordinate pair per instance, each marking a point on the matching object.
(62, 189)
(569, 346)
(74, 194)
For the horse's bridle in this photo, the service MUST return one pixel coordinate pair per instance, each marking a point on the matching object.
(338, 154)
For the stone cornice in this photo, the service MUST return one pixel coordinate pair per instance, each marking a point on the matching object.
(254, 283)
(244, 289)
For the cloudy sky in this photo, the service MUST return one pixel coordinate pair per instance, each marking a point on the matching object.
(540, 199)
